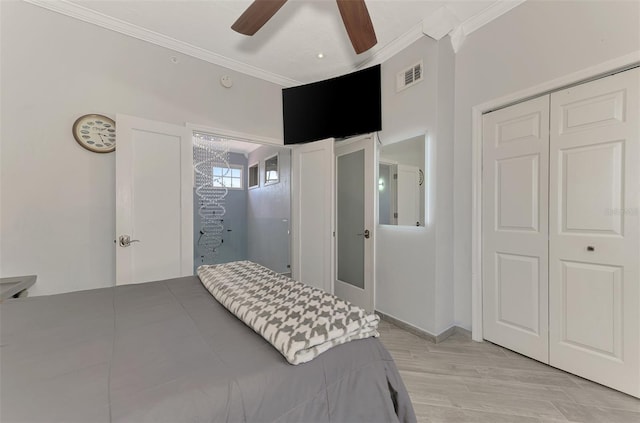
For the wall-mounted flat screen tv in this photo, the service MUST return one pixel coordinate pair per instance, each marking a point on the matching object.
(339, 107)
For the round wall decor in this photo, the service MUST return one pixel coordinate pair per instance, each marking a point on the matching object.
(96, 133)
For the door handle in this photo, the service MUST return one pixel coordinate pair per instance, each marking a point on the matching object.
(366, 234)
(125, 240)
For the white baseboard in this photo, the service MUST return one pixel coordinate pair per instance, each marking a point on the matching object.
(421, 332)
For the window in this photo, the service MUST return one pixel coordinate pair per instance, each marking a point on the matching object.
(254, 180)
(271, 171)
(230, 177)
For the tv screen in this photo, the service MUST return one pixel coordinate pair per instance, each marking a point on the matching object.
(339, 107)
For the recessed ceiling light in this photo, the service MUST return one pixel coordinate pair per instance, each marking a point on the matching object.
(320, 55)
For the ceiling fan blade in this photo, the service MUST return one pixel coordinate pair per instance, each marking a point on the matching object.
(358, 24)
(256, 15)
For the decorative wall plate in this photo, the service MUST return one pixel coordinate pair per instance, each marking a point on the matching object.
(96, 133)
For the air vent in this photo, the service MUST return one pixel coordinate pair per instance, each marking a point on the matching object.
(409, 76)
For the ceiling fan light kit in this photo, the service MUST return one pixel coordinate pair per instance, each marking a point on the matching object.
(355, 17)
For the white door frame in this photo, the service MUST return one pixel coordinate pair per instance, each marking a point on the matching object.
(235, 135)
(477, 111)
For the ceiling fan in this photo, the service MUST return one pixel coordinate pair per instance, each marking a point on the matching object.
(355, 17)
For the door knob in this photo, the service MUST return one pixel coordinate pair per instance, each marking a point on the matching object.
(366, 234)
(125, 240)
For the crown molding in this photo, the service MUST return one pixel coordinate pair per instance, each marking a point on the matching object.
(492, 12)
(458, 33)
(394, 47)
(440, 23)
(85, 14)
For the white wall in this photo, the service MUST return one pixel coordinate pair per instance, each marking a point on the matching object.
(414, 275)
(443, 160)
(57, 199)
(535, 42)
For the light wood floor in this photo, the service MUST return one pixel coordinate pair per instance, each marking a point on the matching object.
(459, 380)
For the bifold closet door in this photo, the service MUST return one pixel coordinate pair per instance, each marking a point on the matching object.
(595, 231)
(515, 227)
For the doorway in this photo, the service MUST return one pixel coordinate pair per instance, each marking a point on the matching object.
(242, 202)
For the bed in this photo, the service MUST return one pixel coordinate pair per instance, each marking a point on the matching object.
(168, 351)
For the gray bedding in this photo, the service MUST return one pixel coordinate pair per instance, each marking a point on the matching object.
(168, 351)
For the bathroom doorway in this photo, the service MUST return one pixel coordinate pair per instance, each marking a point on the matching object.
(242, 202)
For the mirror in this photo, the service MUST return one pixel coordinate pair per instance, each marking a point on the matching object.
(401, 183)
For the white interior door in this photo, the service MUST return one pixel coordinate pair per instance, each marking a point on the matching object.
(408, 195)
(312, 213)
(594, 231)
(154, 201)
(515, 227)
(355, 216)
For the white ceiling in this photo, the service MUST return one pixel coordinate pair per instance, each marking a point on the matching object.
(242, 147)
(285, 49)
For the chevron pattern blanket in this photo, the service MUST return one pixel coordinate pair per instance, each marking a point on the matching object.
(300, 321)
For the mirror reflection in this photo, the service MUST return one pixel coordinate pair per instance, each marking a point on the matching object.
(401, 183)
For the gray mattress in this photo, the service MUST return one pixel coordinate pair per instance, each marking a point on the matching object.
(168, 351)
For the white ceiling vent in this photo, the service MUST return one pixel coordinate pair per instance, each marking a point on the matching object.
(408, 77)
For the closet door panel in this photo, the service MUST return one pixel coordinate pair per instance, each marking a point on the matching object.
(515, 228)
(591, 181)
(594, 231)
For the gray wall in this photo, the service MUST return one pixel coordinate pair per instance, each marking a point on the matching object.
(534, 43)
(234, 246)
(269, 213)
(57, 200)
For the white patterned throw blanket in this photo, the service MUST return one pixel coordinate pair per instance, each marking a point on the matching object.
(300, 321)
